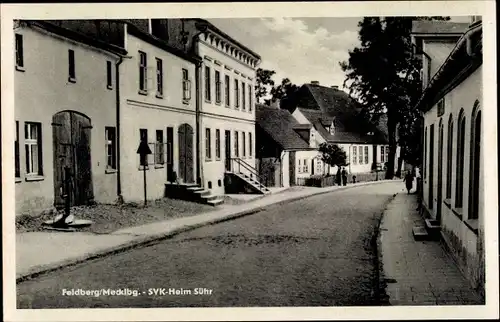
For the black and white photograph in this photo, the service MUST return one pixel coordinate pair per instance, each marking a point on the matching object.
(256, 156)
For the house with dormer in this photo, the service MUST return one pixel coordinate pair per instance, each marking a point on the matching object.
(287, 150)
(334, 115)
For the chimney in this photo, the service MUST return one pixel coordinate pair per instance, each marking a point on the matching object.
(314, 83)
(275, 103)
(334, 86)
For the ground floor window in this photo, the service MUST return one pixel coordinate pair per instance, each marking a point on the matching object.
(110, 136)
(33, 146)
(159, 148)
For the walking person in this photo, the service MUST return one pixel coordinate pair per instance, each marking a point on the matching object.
(338, 178)
(344, 176)
(408, 179)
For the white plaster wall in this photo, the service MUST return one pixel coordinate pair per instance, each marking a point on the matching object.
(152, 113)
(42, 90)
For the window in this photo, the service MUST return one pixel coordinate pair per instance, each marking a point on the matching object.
(143, 72)
(236, 93)
(459, 193)
(386, 154)
(208, 145)
(449, 159)
(250, 97)
(109, 75)
(243, 95)
(306, 166)
(299, 168)
(226, 90)
(319, 167)
(16, 152)
(208, 90)
(354, 155)
(475, 157)
(143, 135)
(360, 151)
(186, 86)
(159, 77)
(243, 142)
(159, 148)
(110, 133)
(217, 144)
(250, 146)
(33, 145)
(366, 155)
(217, 87)
(71, 65)
(236, 145)
(19, 51)
(382, 154)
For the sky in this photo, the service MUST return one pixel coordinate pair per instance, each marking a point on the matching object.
(302, 49)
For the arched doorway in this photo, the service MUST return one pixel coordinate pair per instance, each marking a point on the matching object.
(71, 142)
(186, 153)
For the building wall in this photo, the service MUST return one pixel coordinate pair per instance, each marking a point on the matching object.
(438, 51)
(42, 90)
(216, 115)
(302, 157)
(464, 243)
(141, 110)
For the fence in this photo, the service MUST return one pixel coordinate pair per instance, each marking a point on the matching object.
(327, 181)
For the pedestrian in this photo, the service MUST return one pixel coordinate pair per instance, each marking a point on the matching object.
(408, 179)
(339, 178)
(344, 176)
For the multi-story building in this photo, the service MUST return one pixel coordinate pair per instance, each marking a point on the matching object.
(453, 194)
(65, 99)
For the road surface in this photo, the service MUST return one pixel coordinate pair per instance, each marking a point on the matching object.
(313, 252)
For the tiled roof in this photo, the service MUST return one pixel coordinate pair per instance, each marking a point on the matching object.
(326, 104)
(438, 27)
(279, 124)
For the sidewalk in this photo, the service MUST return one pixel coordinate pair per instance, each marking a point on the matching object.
(38, 252)
(417, 272)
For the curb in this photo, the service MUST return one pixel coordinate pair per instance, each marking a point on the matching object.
(380, 280)
(151, 239)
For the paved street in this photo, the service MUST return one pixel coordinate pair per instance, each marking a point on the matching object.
(313, 252)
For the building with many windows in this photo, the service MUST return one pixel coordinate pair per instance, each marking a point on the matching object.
(333, 114)
(452, 174)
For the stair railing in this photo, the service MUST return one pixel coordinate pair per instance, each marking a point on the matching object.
(240, 163)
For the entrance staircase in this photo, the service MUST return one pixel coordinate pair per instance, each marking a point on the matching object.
(241, 177)
(430, 230)
(192, 192)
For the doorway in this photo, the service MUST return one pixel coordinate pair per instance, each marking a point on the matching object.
(71, 144)
(186, 171)
(431, 167)
(227, 136)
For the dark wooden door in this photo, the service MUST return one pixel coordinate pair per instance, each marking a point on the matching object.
(440, 174)
(170, 154)
(186, 153)
(71, 145)
(291, 168)
(227, 135)
(431, 167)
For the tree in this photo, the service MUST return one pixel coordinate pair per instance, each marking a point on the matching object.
(332, 154)
(263, 81)
(286, 93)
(384, 74)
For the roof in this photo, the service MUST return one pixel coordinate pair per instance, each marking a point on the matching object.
(463, 60)
(279, 124)
(76, 36)
(303, 126)
(321, 105)
(439, 27)
(223, 34)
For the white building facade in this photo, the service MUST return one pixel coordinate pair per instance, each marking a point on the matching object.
(452, 174)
